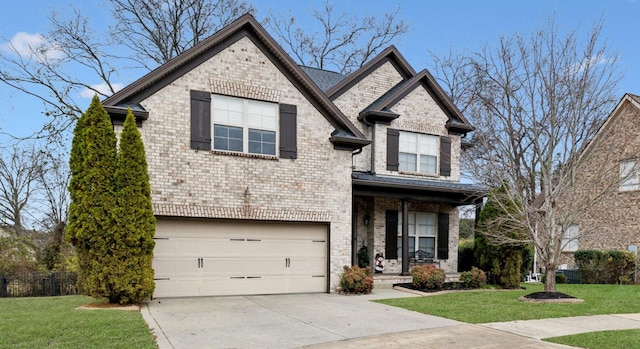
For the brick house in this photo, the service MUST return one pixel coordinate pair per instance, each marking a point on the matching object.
(266, 176)
(607, 186)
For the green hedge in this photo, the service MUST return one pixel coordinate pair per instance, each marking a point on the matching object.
(605, 267)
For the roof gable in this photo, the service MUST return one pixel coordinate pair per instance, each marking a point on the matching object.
(390, 54)
(456, 123)
(245, 26)
(633, 100)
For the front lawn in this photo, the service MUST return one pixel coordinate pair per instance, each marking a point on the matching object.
(628, 339)
(53, 322)
(503, 305)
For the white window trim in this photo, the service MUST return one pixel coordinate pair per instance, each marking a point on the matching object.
(245, 124)
(417, 236)
(417, 153)
(629, 175)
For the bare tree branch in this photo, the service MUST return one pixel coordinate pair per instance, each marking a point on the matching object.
(536, 101)
(19, 173)
(158, 30)
(344, 43)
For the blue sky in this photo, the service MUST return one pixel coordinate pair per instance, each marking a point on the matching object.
(435, 26)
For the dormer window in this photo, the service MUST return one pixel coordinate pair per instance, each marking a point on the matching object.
(418, 152)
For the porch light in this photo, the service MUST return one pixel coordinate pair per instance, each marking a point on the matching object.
(366, 220)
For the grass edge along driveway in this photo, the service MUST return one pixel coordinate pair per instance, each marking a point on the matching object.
(54, 322)
(503, 305)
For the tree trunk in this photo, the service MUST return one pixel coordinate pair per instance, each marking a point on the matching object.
(550, 279)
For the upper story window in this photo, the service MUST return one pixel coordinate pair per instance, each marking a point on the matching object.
(418, 152)
(243, 125)
(629, 175)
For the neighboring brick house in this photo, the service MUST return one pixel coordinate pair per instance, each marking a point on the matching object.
(263, 172)
(608, 186)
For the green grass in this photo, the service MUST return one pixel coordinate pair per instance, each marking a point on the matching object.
(53, 322)
(628, 339)
(503, 305)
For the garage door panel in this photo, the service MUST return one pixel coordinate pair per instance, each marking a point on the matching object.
(198, 257)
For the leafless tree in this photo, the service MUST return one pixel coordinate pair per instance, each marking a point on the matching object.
(19, 172)
(536, 101)
(343, 43)
(73, 60)
(158, 30)
(54, 181)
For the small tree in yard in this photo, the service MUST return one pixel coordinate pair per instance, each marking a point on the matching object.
(91, 221)
(131, 271)
(536, 101)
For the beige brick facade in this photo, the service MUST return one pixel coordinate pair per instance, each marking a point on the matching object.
(317, 186)
(211, 184)
(420, 113)
(610, 220)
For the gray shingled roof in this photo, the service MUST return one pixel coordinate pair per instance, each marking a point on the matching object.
(323, 78)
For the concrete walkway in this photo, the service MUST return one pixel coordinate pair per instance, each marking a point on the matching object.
(338, 321)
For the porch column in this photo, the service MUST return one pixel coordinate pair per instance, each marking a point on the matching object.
(405, 237)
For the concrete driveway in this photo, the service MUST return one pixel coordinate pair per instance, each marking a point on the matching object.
(279, 321)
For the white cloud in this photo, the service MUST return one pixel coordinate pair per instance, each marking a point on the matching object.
(31, 45)
(102, 88)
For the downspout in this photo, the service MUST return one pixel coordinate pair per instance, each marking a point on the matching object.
(354, 214)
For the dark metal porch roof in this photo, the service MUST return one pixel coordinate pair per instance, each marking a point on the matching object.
(454, 193)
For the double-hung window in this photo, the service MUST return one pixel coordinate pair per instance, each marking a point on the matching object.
(244, 125)
(422, 232)
(570, 239)
(418, 152)
(629, 175)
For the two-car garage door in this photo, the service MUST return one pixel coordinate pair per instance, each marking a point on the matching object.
(208, 257)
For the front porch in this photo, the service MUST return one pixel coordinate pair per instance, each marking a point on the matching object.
(388, 280)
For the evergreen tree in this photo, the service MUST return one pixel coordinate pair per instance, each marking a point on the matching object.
(92, 164)
(131, 271)
(498, 244)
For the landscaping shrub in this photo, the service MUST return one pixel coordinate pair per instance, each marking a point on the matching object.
(560, 278)
(474, 278)
(605, 267)
(621, 265)
(428, 277)
(465, 255)
(356, 280)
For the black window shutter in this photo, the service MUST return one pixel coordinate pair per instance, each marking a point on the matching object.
(391, 235)
(443, 236)
(445, 156)
(200, 120)
(393, 143)
(288, 132)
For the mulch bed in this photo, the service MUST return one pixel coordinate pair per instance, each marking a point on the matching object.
(536, 297)
(97, 306)
(550, 297)
(448, 286)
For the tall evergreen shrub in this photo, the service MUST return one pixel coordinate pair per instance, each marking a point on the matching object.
(503, 261)
(131, 271)
(92, 164)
